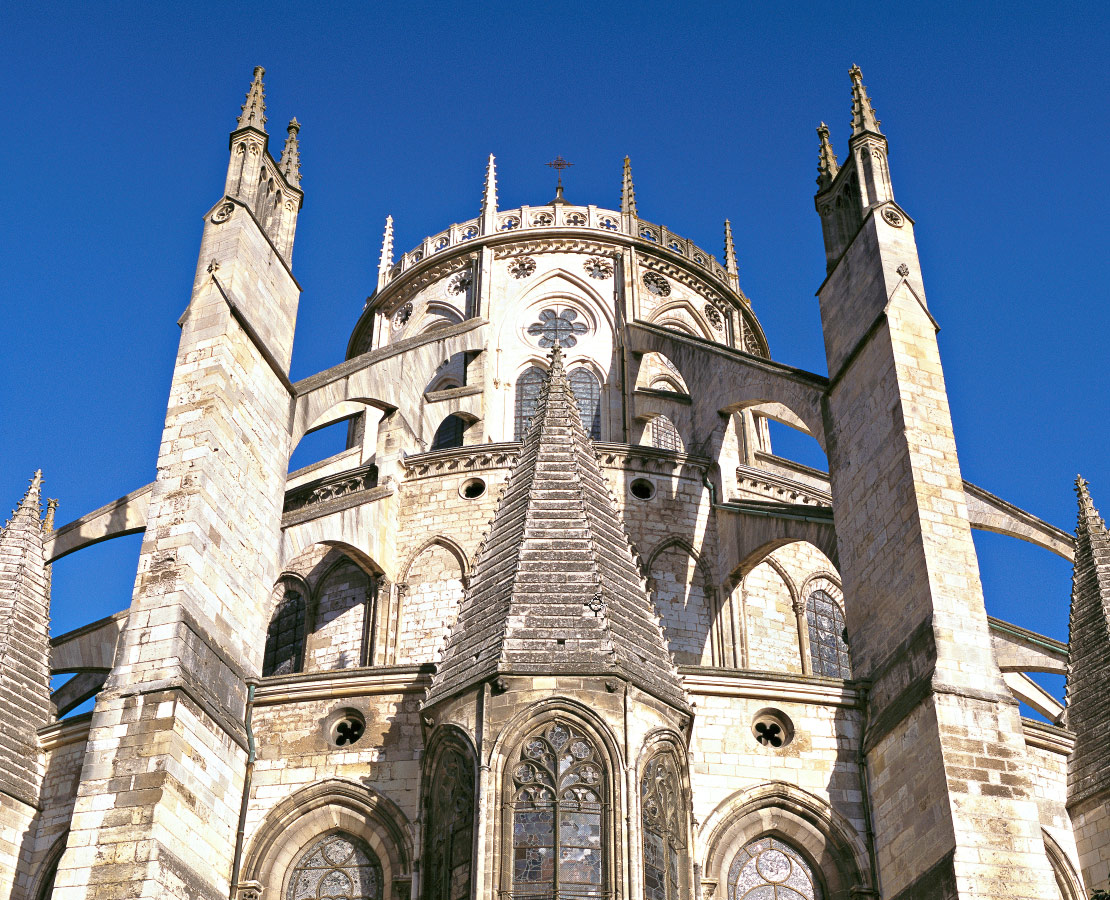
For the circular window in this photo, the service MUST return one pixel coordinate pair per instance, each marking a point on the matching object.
(472, 488)
(657, 284)
(641, 489)
(345, 727)
(772, 728)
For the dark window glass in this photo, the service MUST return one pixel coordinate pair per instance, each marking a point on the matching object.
(664, 435)
(527, 396)
(827, 650)
(449, 434)
(285, 636)
(337, 867)
(663, 812)
(558, 816)
(587, 391)
(768, 869)
(450, 835)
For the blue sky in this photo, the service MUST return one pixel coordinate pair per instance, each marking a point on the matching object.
(117, 118)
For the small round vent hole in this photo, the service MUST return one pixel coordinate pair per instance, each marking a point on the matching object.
(642, 489)
(473, 488)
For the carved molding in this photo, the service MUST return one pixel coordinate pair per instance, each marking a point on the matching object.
(553, 245)
(782, 490)
(432, 274)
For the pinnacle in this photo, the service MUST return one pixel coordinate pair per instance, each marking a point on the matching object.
(290, 162)
(489, 196)
(826, 159)
(385, 261)
(863, 114)
(253, 113)
(628, 191)
(31, 502)
(1088, 516)
(730, 252)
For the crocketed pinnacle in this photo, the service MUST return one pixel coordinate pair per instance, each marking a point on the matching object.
(489, 190)
(556, 589)
(628, 191)
(730, 256)
(30, 506)
(1088, 682)
(253, 113)
(863, 114)
(826, 159)
(290, 162)
(385, 261)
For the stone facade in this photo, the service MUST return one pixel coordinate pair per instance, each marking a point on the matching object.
(557, 623)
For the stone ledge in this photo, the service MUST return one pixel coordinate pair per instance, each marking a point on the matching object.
(747, 684)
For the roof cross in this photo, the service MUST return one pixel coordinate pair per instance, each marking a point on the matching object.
(559, 164)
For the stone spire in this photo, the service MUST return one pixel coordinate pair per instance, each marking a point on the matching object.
(489, 198)
(826, 159)
(385, 261)
(290, 162)
(863, 115)
(1088, 683)
(730, 257)
(254, 108)
(628, 192)
(24, 645)
(556, 588)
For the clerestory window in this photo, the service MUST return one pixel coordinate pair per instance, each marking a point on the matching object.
(527, 397)
(587, 392)
(828, 651)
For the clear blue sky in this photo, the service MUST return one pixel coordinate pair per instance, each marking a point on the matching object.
(117, 115)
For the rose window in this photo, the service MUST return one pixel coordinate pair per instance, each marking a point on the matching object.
(563, 327)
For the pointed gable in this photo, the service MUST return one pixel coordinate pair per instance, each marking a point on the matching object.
(556, 588)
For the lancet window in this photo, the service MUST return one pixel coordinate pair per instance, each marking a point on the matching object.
(527, 397)
(663, 813)
(449, 434)
(828, 651)
(664, 435)
(284, 652)
(558, 816)
(450, 827)
(587, 391)
(768, 869)
(338, 866)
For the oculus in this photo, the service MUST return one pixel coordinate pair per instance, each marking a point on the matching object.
(563, 327)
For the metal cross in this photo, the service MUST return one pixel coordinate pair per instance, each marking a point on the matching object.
(559, 164)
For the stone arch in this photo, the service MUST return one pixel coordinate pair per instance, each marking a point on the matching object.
(657, 742)
(795, 816)
(655, 366)
(543, 290)
(286, 638)
(431, 589)
(340, 614)
(1067, 879)
(686, 601)
(450, 432)
(448, 746)
(326, 806)
(772, 616)
(664, 315)
(42, 888)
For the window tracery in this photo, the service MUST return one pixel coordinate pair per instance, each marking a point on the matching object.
(558, 816)
(558, 325)
(768, 869)
(527, 396)
(338, 866)
(587, 392)
(662, 809)
(450, 836)
(828, 651)
(285, 635)
(664, 435)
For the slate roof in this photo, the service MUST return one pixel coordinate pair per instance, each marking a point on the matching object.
(556, 588)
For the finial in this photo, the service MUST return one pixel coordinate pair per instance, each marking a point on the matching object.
(1087, 511)
(558, 164)
(290, 162)
(30, 505)
(489, 197)
(863, 114)
(555, 369)
(730, 256)
(385, 261)
(48, 522)
(826, 159)
(628, 192)
(253, 113)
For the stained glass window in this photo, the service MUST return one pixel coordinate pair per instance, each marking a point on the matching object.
(284, 652)
(337, 867)
(663, 813)
(827, 650)
(562, 326)
(768, 869)
(587, 391)
(527, 396)
(450, 834)
(664, 435)
(558, 811)
(449, 434)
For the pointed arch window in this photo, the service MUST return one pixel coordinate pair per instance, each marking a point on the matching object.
(663, 812)
(449, 434)
(558, 816)
(828, 651)
(338, 866)
(527, 396)
(284, 652)
(664, 435)
(450, 833)
(768, 869)
(587, 392)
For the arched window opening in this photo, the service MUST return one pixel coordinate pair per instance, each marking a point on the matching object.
(285, 637)
(664, 435)
(527, 396)
(587, 392)
(449, 434)
(450, 834)
(663, 813)
(338, 866)
(558, 816)
(768, 869)
(828, 651)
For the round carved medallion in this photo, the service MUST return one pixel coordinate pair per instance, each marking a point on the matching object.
(893, 217)
(522, 267)
(598, 267)
(223, 213)
(657, 284)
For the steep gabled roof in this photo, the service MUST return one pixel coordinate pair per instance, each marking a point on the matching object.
(556, 588)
